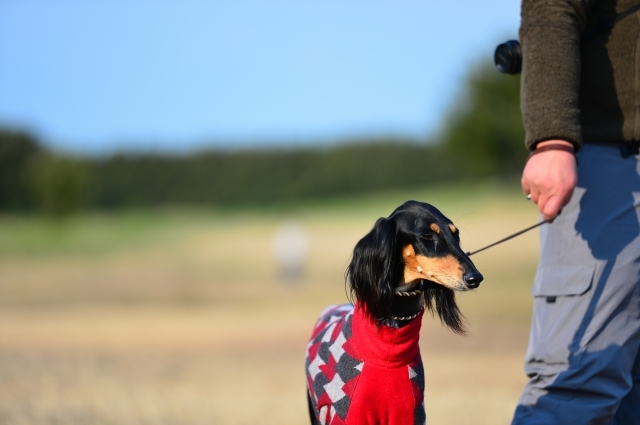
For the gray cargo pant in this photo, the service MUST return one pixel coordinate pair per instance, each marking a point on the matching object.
(582, 359)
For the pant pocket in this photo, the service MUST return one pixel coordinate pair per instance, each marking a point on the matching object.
(561, 298)
(563, 280)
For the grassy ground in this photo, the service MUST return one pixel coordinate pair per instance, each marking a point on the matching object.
(179, 316)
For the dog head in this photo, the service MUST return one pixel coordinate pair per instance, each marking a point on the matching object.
(415, 245)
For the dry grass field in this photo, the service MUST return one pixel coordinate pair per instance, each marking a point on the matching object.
(180, 317)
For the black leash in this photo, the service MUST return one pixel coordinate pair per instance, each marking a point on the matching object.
(510, 236)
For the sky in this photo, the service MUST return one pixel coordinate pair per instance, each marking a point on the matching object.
(141, 75)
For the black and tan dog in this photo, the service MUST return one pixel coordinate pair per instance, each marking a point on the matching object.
(363, 362)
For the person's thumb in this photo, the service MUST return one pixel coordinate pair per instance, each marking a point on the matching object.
(552, 207)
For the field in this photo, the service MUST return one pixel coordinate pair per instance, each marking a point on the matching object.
(180, 316)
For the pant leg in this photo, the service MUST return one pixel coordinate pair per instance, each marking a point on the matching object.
(585, 330)
(629, 410)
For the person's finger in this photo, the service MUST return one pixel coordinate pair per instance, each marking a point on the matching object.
(552, 207)
(535, 194)
(542, 200)
(524, 182)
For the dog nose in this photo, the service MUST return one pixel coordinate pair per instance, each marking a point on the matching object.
(473, 279)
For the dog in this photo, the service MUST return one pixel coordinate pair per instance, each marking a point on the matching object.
(363, 362)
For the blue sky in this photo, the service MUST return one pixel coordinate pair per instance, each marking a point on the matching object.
(101, 76)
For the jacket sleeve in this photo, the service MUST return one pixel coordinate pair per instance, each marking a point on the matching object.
(550, 41)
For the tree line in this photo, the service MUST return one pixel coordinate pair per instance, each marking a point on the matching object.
(482, 137)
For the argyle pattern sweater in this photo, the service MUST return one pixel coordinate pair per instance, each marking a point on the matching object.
(360, 374)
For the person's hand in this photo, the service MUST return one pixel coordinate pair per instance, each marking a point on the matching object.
(550, 177)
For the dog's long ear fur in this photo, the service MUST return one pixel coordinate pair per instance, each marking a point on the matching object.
(445, 305)
(375, 270)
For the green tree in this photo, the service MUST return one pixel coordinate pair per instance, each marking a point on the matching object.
(58, 184)
(16, 148)
(484, 131)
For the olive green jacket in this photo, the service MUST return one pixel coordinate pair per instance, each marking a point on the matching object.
(576, 89)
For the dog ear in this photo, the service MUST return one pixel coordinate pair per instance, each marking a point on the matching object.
(376, 269)
(445, 305)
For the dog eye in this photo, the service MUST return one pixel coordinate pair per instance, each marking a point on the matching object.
(429, 236)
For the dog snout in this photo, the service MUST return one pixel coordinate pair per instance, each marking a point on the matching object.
(473, 279)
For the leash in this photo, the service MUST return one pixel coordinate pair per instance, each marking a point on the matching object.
(510, 236)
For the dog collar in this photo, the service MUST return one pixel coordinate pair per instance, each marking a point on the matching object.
(407, 305)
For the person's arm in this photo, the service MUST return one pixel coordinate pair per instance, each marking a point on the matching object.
(550, 39)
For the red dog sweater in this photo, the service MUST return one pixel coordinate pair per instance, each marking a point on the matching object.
(359, 373)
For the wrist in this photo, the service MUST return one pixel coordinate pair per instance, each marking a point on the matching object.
(553, 145)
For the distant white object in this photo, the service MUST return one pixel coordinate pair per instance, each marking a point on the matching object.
(290, 247)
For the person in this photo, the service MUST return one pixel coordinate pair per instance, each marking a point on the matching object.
(580, 101)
